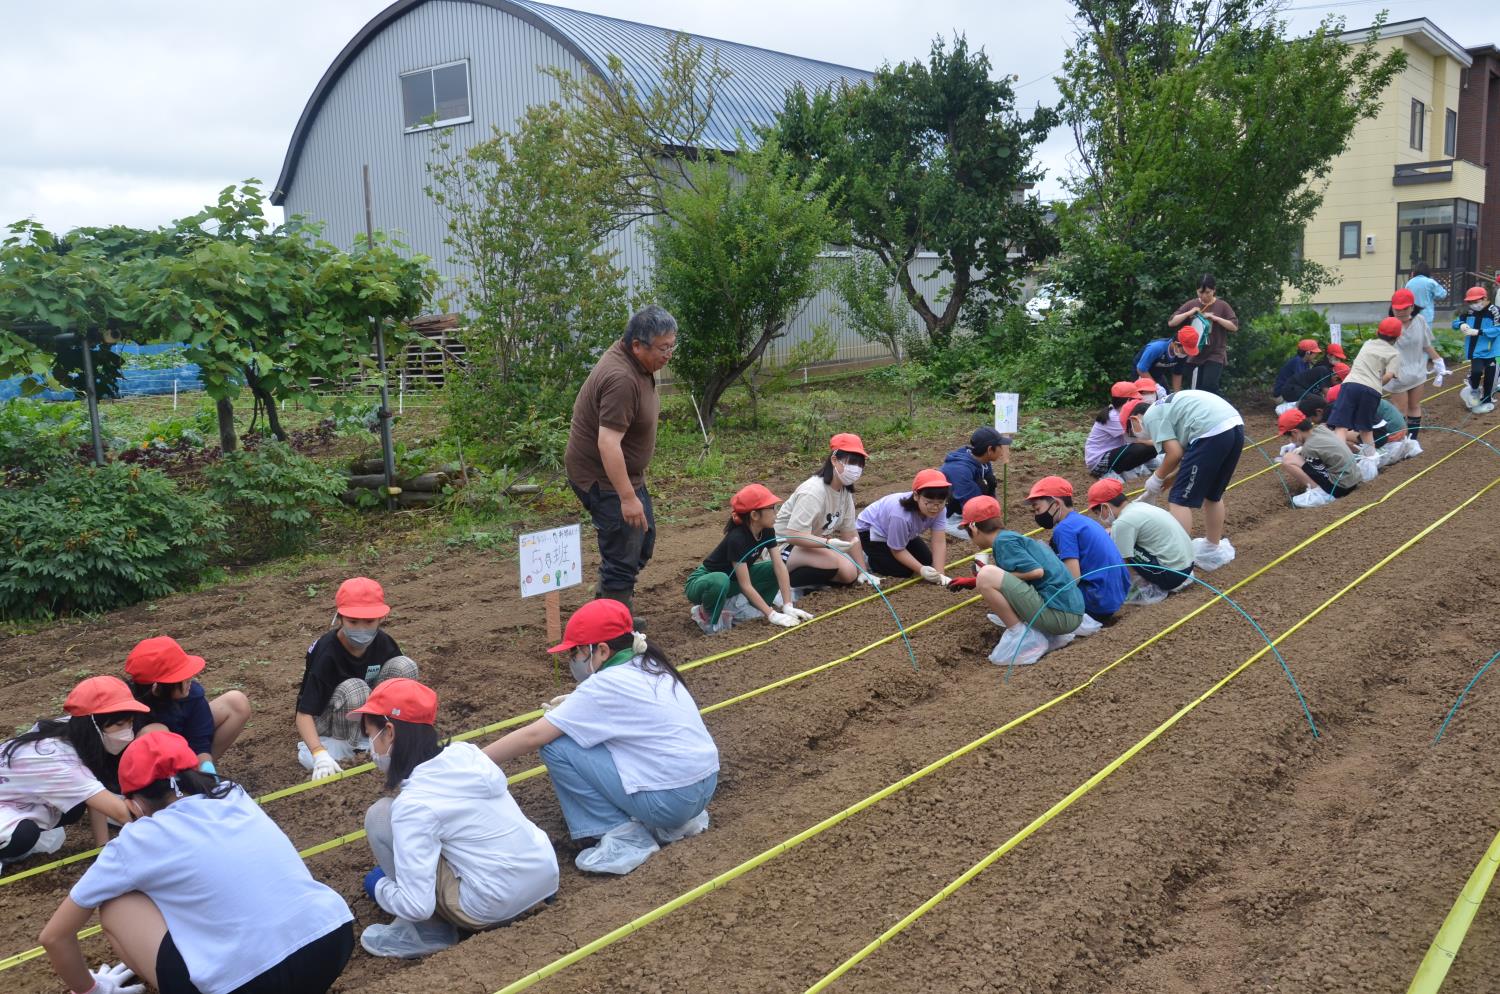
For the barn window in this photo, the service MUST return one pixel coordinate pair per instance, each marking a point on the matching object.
(436, 96)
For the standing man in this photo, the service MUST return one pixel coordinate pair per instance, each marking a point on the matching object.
(611, 442)
(1214, 319)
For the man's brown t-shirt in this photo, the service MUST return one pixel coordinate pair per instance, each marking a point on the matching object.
(1216, 348)
(618, 394)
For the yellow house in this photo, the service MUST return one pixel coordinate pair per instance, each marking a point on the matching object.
(1400, 195)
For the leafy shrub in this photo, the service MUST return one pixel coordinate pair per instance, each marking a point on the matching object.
(37, 436)
(1259, 348)
(92, 539)
(275, 496)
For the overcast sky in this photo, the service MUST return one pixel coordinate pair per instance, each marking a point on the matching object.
(140, 111)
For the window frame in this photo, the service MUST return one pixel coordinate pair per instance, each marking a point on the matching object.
(431, 72)
(1359, 235)
(1417, 136)
(1450, 132)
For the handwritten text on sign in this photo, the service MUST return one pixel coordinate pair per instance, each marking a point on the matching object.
(1007, 413)
(551, 560)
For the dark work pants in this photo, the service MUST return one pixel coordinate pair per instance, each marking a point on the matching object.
(623, 551)
(1482, 379)
(23, 837)
(1204, 377)
(881, 561)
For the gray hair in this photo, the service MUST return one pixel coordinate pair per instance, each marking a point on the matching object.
(648, 324)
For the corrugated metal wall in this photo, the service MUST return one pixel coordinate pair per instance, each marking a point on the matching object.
(360, 122)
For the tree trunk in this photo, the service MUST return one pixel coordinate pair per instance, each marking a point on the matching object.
(273, 420)
(713, 389)
(939, 326)
(228, 441)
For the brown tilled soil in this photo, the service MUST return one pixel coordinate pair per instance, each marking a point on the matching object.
(1237, 853)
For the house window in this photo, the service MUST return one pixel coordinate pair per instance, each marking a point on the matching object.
(1418, 123)
(1349, 240)
(1450, 133)
(435, 97)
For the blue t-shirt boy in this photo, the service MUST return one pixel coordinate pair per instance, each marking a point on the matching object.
(1084, 539)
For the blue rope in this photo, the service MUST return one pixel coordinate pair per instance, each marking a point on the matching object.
(1454, 710)
(1230, 600)
(1276, 467)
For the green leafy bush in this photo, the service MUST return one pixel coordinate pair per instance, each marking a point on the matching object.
(92, 539)
(1259, 348)
(37, 436)
(276, 497)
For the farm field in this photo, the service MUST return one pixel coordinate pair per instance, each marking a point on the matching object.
(1235, 853)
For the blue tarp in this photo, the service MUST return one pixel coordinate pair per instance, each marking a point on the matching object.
(133, 382)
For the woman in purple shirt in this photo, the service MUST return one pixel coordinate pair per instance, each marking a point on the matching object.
(890, 530)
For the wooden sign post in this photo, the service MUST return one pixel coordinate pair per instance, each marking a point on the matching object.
(549, 561)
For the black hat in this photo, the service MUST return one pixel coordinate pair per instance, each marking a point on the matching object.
(985, 438)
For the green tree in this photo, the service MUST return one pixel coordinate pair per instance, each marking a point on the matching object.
(931, 157)
(1203, 132)
(526, 227)
(736, 261)
(869, 296)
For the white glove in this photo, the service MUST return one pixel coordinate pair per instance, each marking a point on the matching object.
(797, 613)
(549, 705)
(1289, 448)
(1154, 485)
(115, 980)
(1440, 368)
(324, 766)
(782, 619)
(840, 544)
(870, 578)
(934, 575)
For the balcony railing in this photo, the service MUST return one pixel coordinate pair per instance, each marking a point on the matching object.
(1412, 173)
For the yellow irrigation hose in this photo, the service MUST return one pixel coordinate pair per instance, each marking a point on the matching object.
(1120, 760)
(728, 876)
(1445, 945)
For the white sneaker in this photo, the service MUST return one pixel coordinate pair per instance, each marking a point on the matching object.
(1145, 593)
(1088, 626)
(955, 527)
(1210, 557)
(1312, 497)
(700, 618)
(1033, 647)
(693, 826)
(621, 850)
(402, 939)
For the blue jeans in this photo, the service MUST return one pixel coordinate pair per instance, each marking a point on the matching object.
(623, 551)
(593, 800)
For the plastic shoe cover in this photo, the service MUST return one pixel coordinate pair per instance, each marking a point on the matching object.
(1413, 448)
(700, 618)
(402, 939)
(47, 843)
(994, 619)
(740, 608)
(1312, 497)
(1369, 468)
(340, 750)
(955, 527)
(1007, 644)
(1088, 626)
(1154, 464)
(1467, 396)
(1145, 593)
(1485, 408)
(1210, 557)
(621, 850)
(693, 826)
(1283, 408)
(1390, 455)
(1058, 641)
(1033, 647)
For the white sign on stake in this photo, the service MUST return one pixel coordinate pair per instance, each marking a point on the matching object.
(551, 560)
(1007, 413)
(1335, 334)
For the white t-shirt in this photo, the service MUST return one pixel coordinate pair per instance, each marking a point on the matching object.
(649, 723)
(236, 896)
(815, 508)
(42, 782)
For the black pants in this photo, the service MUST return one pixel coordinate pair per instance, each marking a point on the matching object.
(1125, 458)
(1159, 576)
(1482, 379)
(1203, 377)
(310, 970)
(24, 836)
(1163, 374)
(623, 551)
(881, 561)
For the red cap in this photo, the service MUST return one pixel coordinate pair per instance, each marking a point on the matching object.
(1309, 345)
(1389, 328)
(1125, 388)
(1289, 420)
(597, 621)
(981, 508)
(1188, 339)
(361, 598)
(401, 698)
(154, 757)
(1333, 393)
(846, 441)
(752, 498)
(1403, 298)
(929, 479)
(1050, 486)
(1336, 350)
(1146, 385)
(1127, 409)
(1104, 491)
(1475, 293)
(1340, 370)
(161, 660)
(102, 695)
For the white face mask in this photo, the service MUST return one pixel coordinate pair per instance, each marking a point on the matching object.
(115, 742)
(1107, 519)
(382, 760)
(850, 473)
(360, 637)
(580, 668)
